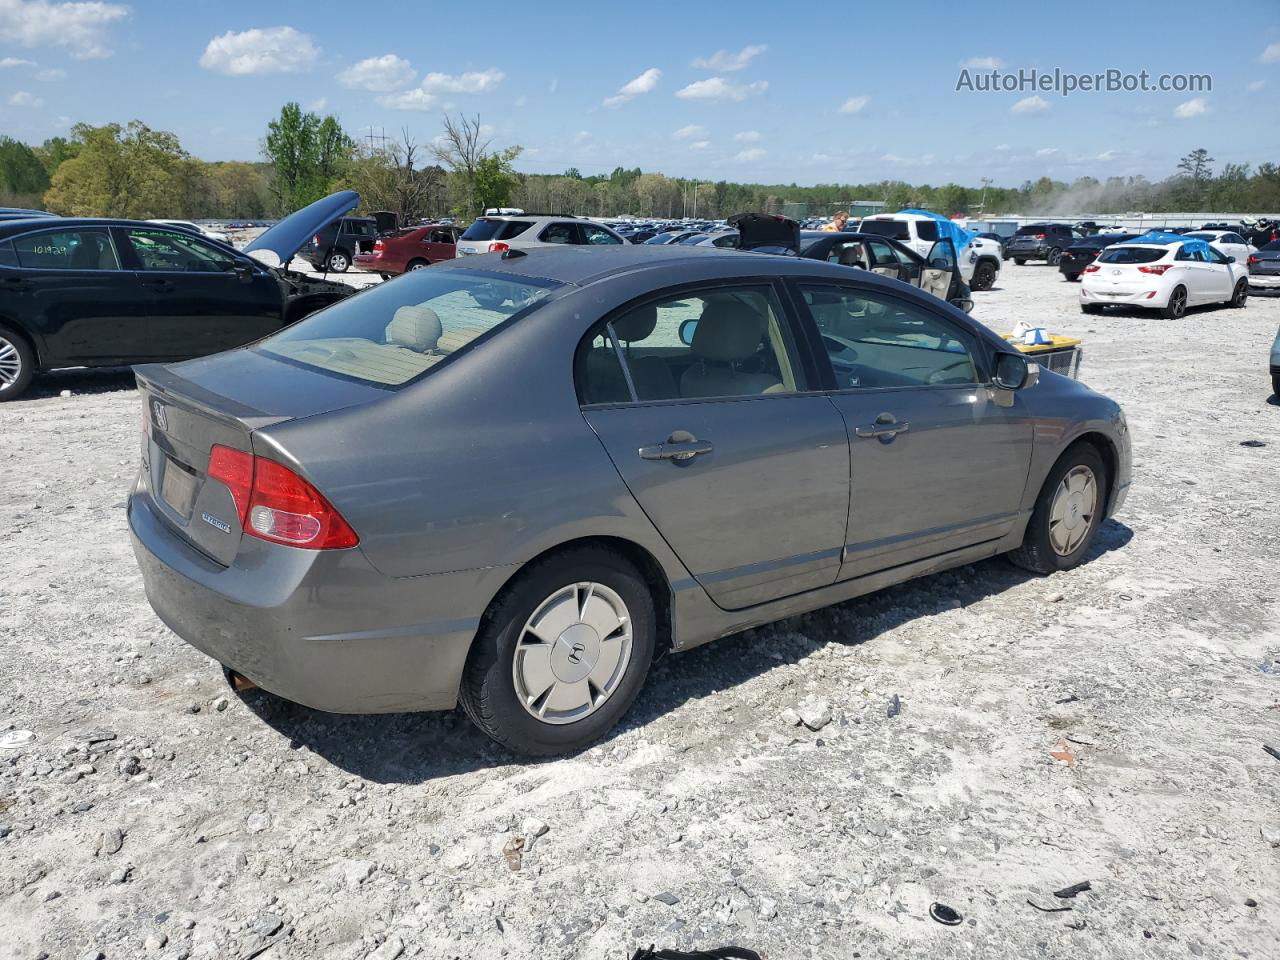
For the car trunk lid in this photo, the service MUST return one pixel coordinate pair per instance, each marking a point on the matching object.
(185, 416)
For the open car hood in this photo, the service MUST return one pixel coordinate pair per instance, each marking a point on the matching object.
(762, 230)
(288, 236)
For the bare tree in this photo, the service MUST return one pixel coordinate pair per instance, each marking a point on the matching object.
(412, 186)
(461, 149)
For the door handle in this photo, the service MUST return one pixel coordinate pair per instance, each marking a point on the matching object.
(680, 446)
(886, 425)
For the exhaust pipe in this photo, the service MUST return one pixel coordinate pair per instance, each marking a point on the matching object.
(238, 681)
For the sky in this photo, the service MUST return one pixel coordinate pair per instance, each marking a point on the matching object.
(747, 91)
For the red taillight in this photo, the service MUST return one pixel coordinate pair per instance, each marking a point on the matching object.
(377, 246)
(499, 247)
(316, 239)
(1092, 268)
(1041, 236)
(277, 505)
(1253, 261)
(1157, 268)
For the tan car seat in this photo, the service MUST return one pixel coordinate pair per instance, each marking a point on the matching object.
(728, 333)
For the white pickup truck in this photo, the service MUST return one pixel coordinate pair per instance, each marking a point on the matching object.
(979, 260)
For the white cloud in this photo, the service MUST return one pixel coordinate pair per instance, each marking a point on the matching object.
(747, 136)
(700, 145)
(474, 82)
(1257, 85)
(1046, 151)
(718, 88)
(15, 62)
(982, 63)
(730, 62)
(582, 136)
(1036, 104)
(317, 105)
(923, 160)
(1191, 108)
(379, 74)
(80, 27)
(854, 104)
(24, 99)
(1107, 155)
(640, 85)
(749, 156)
(1271, 54)
(50, 75)
(689, 132)
(415, 99)
(259, 51)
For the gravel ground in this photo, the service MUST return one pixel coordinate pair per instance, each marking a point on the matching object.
(1104, 725)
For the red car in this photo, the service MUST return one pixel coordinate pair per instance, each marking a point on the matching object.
(409, 249)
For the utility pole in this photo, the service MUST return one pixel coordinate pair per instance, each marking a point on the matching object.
(695, 198)
(986, 182)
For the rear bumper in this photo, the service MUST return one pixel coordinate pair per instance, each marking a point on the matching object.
(322, 628)
(374, 263)
(1140, 298)
(1265, 281)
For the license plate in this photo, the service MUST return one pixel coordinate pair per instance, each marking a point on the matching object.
(178, 488)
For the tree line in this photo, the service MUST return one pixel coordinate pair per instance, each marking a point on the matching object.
(134, 171)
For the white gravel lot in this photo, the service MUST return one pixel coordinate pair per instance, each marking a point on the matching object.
(154, 815)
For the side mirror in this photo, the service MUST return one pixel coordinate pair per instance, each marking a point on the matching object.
(1016, 372)
(687, 330)
(1231, 259)
(964, 303)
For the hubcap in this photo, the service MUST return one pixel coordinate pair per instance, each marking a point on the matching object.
(10, 363)
(1071, 514)
(338, 262)
(1179, 301)
(572, 653)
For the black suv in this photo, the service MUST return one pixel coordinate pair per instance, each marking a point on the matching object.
(334, 248)
(1040, 241)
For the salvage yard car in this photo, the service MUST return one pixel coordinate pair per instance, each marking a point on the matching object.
(1264, 267)
(379, 509)
(1080, 253)
(978, 258)
(1165, 272)
(1041, 241)
(78, 292)
(410, 249)
(527, 231)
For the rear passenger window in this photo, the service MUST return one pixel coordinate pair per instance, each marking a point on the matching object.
(67, 250)
(7, 257)
(597, 235)
(728, 342)
(927, 229)
(877, 341)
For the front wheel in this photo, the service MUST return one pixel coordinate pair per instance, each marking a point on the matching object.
(1241, 294)
(17, 365)
(1275, 385)
(418, 264)
(1177, 305)
(1067, 514)
(984, 275)
(562, 654)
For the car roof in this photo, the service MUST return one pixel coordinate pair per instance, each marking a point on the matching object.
(9, 228)
(583, 265)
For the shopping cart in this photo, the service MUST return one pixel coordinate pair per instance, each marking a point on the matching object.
(1062, 356)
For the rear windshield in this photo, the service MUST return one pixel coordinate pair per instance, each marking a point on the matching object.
(1201, 236)
(392, 333)
(1031, 230)
(496, 229)
(1273, 245)
(894, 229)
(1132, 254)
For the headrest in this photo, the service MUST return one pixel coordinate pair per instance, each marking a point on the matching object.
(851, 255)
(415, 327)
(636, 324)
(728, 330)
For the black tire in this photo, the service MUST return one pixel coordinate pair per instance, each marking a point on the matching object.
(339, 261)
(17, 364)
(1240, 296)
(1054, 256)
(1275, 385)
(417, 265)
(488, 693)
(1071, 277)
(1090, 308)
(984, 275)
(1037, 553)
(1176, 308)
(1020, 261)
(385, 276)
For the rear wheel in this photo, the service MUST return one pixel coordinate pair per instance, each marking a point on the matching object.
(338, 262)
(1177, 305)
(17, 364)
(984, 275)
(562, 654)
(1071, 277)
(1067, 514)
(1275, 385)
(1020, 261)
(1241, 294)
(1054, 256)
(1090, 308)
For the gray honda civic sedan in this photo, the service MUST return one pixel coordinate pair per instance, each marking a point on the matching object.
(514, 480)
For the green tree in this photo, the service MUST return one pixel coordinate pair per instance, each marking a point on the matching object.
(117, 171)
(1196, 165)
(22, 175)
(494, 179)
(308, 154)
(54, 151)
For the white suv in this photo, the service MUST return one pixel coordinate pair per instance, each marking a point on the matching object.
(979, 260)
(526, 231)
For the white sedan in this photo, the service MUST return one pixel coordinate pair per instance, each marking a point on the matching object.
(1229, 242)
(1166, 276)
